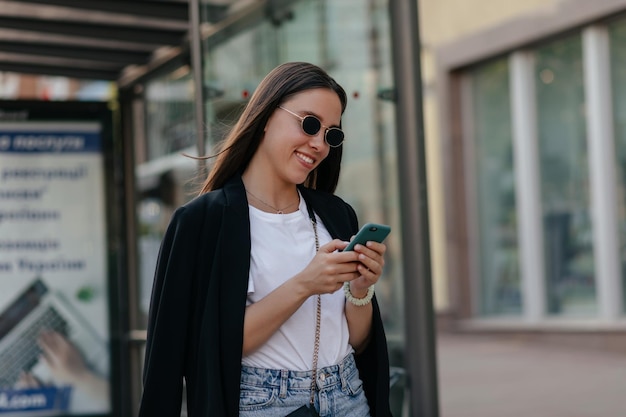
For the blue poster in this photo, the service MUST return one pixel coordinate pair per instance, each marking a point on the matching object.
(54, 353)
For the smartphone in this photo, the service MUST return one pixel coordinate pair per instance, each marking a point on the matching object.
(370, 231)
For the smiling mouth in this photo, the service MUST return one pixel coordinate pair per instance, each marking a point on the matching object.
(305, 158)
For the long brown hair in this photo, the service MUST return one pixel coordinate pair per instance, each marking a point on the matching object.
(244, 139)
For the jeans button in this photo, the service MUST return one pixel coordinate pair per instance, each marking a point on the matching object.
(323, 377)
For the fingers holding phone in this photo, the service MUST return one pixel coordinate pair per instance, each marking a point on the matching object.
(371, 258)
(368, 244)
(330, 268)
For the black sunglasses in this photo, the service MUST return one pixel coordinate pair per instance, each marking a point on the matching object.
(311, 125)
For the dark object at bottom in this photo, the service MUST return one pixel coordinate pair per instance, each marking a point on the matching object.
(304, 411)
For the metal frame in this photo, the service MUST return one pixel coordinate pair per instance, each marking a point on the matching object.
(420, 356)
(198, 80)
(89, 39)
(176, 9)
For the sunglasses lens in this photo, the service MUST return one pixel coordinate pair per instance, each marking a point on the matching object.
(334, 137)
(311, 125)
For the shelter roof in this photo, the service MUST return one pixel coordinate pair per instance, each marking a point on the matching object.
(91, 39)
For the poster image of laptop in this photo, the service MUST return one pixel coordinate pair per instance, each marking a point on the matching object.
(50, 357)
(54, 275)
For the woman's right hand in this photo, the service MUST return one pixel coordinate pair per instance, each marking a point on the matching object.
(329, 269)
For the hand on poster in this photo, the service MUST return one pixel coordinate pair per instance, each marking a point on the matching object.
(67, 368)
(26, 381)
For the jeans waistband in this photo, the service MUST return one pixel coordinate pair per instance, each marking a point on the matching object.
(284, 379)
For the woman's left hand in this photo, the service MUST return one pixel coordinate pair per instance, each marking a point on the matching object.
(371, 263)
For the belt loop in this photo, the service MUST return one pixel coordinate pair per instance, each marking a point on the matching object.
(284, 376)
(342, 374)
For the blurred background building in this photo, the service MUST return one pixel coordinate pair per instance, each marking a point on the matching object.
(525, 131)
(524, 121)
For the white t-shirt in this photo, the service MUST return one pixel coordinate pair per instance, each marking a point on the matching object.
(282, 246)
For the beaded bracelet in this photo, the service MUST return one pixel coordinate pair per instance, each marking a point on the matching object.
(358, 301)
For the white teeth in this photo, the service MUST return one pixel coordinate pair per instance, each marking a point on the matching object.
(305, 158)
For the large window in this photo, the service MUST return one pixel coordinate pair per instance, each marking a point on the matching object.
(565, 192)
(498, 256)
(547, 87)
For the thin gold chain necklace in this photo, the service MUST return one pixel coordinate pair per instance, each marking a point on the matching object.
(277, 210)
(318, 320)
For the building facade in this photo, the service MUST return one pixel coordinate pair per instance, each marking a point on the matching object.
(525, 130)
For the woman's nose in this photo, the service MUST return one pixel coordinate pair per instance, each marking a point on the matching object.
(318, 140)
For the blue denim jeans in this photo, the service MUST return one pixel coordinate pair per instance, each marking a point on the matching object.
(275, 393)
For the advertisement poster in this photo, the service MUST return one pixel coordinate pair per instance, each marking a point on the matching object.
(54, 353)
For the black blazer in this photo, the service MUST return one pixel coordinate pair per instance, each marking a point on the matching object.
(195, 328)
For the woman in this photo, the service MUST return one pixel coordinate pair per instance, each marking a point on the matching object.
(247, 305)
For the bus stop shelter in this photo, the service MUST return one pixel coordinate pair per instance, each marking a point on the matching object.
(128, 41)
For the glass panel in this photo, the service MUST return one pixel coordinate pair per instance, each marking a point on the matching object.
(233, 68)
(499, 273)
(337, 35)
(361, 63)
(617, 33)
(162, 183)
(568, 244)
(169, 114)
